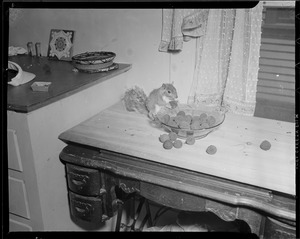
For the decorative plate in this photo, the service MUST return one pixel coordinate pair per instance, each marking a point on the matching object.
(61, 44)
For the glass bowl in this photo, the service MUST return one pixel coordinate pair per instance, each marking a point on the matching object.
(218, 114)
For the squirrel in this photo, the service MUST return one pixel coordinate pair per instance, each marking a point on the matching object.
(136, 100)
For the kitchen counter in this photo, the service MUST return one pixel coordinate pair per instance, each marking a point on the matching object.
(64, 81)
(34, 121)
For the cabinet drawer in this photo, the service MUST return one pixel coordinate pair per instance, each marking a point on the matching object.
(85, 208)
(84, 181)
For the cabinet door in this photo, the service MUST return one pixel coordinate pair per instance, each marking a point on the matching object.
(18, 224)
(14, 156)
(18, 203)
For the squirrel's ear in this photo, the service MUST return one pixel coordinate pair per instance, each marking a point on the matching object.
(164, 86)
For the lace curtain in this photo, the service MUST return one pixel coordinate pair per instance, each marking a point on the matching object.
(227, 54)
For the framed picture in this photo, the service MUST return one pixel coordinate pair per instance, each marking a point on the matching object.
(61, 44)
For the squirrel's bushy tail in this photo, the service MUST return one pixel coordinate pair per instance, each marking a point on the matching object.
(135, 100)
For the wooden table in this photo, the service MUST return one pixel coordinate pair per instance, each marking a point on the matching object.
(120, 148)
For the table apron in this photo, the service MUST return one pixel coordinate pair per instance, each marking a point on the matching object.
(146, 173)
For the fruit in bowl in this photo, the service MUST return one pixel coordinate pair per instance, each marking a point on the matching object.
(188, 120)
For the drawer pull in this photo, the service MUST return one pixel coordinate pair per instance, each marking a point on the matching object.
(102, 191)
(80, 210)
(76, 182)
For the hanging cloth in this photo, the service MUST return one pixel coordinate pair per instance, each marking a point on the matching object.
(227, 58)
(212, 59)
(240, 91)
(181, 25)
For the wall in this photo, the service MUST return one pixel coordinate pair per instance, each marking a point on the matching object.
(134, 35)
(275, 97)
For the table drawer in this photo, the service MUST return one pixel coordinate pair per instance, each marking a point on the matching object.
(86, 208)
(83, 181)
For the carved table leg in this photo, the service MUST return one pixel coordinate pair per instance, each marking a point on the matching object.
(132, 227)
(150, 222)
(231, 213)
(119, 215)
(125, 190)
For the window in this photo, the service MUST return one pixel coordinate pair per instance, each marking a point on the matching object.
(276, 77)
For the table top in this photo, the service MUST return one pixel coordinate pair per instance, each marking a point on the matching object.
(64, 81)
(238, 156)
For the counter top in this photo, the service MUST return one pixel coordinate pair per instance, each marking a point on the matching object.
(64, 81)
(238, 158)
